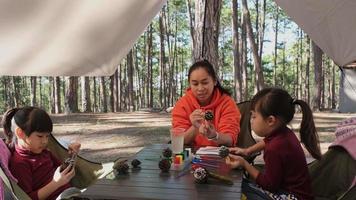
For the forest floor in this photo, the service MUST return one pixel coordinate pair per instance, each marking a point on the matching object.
(106, 137)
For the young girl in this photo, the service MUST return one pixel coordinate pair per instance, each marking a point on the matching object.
(36, 169)
(285, 175)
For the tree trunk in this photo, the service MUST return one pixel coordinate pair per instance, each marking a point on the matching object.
(275, 47)
(318, 59)
(15, 93)
(162, 88)
(259, 73)
(104, 103)
(206, 35)
(85, 94)
(235, 46)
(333, 92)
(57, 95)
(243, 58)
(71, 98)
(262, 30)
(307, 71)
(130, 74)
(33, 91)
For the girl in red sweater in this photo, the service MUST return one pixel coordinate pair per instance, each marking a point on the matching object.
(36, 169)
(285, 175)
(206, 94)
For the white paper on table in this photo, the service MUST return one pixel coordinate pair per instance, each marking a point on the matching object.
(209, 150)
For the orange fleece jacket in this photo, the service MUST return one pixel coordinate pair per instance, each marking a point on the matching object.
(226, 115)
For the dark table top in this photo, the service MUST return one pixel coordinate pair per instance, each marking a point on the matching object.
(150, 183)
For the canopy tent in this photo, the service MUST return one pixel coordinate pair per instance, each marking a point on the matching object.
(70, 38)
(82, 37)
(331, 24)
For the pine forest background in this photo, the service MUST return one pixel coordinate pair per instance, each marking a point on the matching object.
(154, 73)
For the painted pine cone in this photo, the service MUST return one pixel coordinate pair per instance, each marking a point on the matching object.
(209, 115)
(167, 152)
(135, 163)
(201, 175)
(122, 168)
(164, 165)
(223, 151)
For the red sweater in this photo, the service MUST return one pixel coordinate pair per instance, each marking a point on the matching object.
(285, 165)
(226, 115)
(34, 171)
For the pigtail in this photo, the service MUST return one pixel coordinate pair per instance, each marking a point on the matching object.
(308, 135)
(6, 124)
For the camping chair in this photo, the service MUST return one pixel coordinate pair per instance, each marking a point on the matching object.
(333, 174)
(87, 172)
(245, 138)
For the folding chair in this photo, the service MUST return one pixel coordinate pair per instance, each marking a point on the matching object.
(333, 175)
(87, 172)
(245, 138)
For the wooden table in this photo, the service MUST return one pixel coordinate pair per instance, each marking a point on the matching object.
(150, 183)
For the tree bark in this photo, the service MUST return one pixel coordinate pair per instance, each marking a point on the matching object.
(104, 102)
(71, 102)
(85, 85)
(236, 56)
(317, 76)
(57, 95)
(256, 58)
(33, 91)
(206, 35)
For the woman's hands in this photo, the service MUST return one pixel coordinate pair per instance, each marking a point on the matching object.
(197, 118)
(208, 130)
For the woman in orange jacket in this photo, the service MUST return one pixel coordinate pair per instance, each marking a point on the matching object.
(205, 94)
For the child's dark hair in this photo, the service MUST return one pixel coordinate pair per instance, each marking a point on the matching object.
(210, 70)
(277, 102)
(29, 119)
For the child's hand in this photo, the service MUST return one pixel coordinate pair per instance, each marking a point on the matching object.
(74, 148)
(235, 161)
(65, 176)
(238, 151)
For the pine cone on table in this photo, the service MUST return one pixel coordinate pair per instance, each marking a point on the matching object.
(164, 165)
(135, 163)
(201, 175)
(167, 152)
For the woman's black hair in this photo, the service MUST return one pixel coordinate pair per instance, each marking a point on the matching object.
(210, 70)
(277, 102)
(29, 119)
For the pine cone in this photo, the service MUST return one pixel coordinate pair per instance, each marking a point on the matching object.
(223, 151)
(135, 163)
(164, 165)
(201, 175)
(167, 152)
(122, 168)
(209, 115)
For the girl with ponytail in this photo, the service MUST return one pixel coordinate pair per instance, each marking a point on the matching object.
(286, 173)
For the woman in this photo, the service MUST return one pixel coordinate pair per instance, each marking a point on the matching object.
(205, 94)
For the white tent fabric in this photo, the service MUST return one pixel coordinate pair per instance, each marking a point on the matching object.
(70, 38)
(331, 24)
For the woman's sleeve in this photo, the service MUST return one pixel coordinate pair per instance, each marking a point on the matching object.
(229, 122)
(180, 117)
